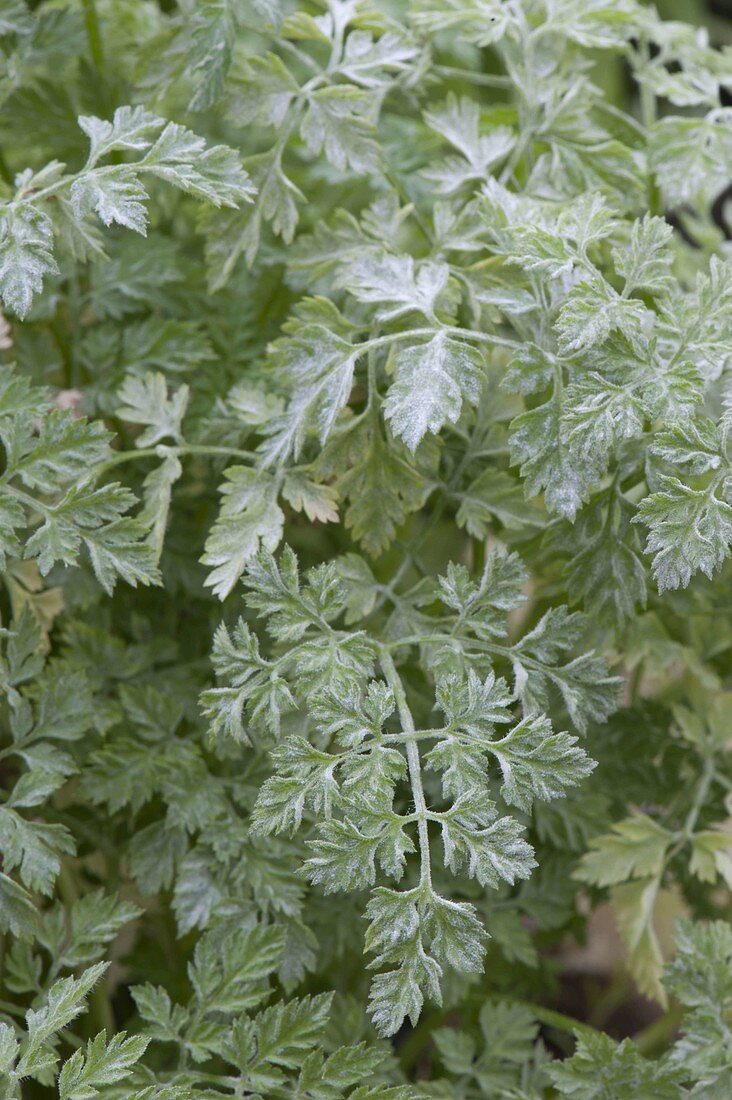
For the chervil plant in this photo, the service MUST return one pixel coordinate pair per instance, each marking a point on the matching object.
(365, 516)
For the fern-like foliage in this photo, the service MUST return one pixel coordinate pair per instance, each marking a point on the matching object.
(365, 522)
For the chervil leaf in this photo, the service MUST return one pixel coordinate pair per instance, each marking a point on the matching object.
(213, 174)
(634, 849)
(318, 360)
(494, 495)
(132, 129)
(445, 284)
(490, 849)
(145, 401)
(115, 199)
(599, 1065)
(337, 121)
(646, 263)
(547, 461)
(537, 763)
(63, 1003)
(458, 121)
(250, 518)
(250, 682)
(379, 483)
(397, 286)
(263, 89)
(592, 312)
(102, 1063)
(17, 911)
(485, 18)
(688, 155)
(26, 257)
(431, 382)
(689, 530)
(285, 1032)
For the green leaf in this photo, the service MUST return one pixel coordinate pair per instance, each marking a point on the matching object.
(213, 174)
(145, 401)
(547, 461)
(431, 382)
(119, 550)
(337, 121)
(63, 1003)
(690, 530)
(646, 263)
(377, 479)
(494, 495)
(696, 448)
(605, 571)
(397, 285)
(592, 312)
(286, 1032)
(583, 683)
(490, 849)
(318, 361)
(18, 914)
(132, 129)
(262, 90)
(157, 489)
(690, 157)
(636, 848)
(8, 1048)
(249, 519)
(102, 1063)
(67, 523)
(459, 122)
(480, 21)
(250, 682)
(210, 39)
(34, 848)
(483, 606)
(116, 199)
(26, 256)
(600, 1067)
(537, 763)
(64, 450)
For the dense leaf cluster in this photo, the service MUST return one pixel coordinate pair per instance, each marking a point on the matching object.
(365, 516)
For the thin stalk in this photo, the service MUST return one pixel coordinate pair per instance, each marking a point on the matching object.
(93, 33)
(701, 794)
(180, 451)
(5, 172)
(658, 1036)
(649, 112)
(448, 330)
(414, 765)
(686, 834)
(489, 80)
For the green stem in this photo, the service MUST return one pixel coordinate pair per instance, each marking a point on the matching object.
(12, 1010)
(489, 80)
(647, 98)
(649, 116)
(559, 1020)
(180, 451)
(414, 764)
(448, 330)
(101, 1015)
(687, 832)
(698, 803)
(478, 546)
(93, 33)
(5, 172)
(658, 1036)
